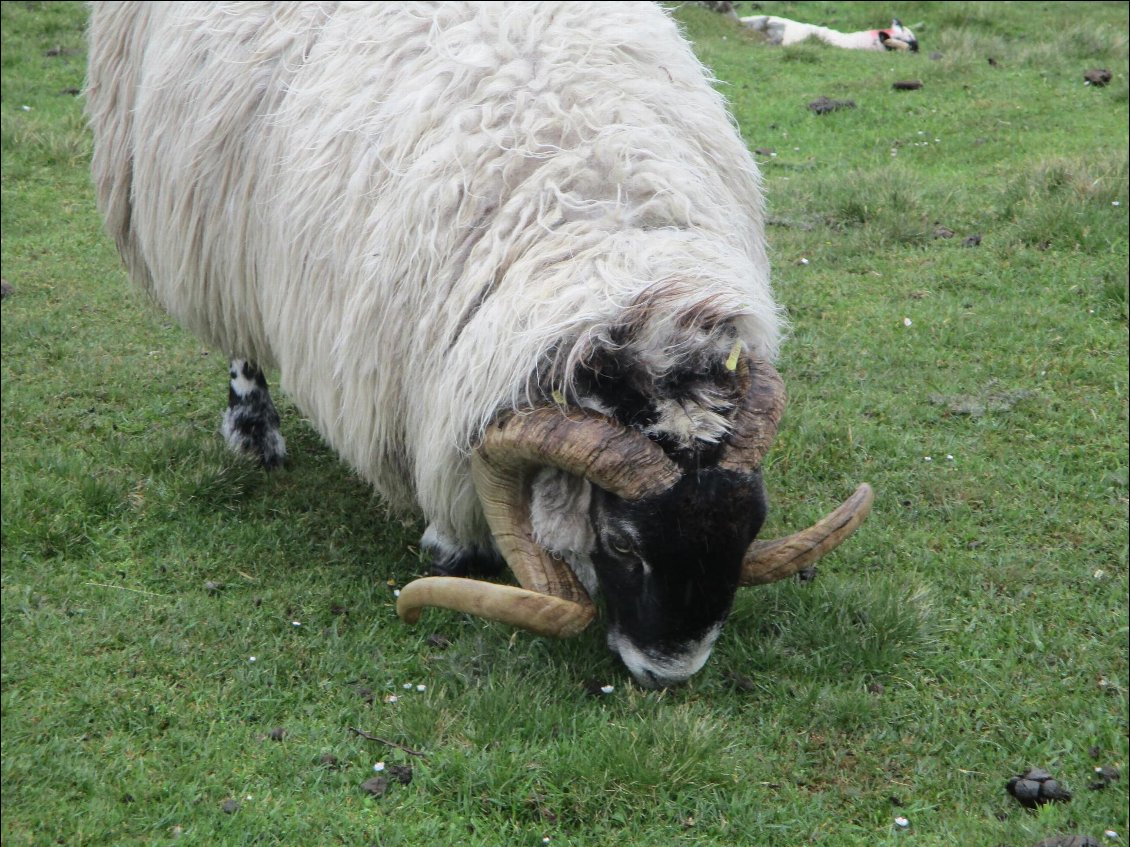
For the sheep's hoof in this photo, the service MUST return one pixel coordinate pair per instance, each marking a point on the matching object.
(464, 562)
(252, 437)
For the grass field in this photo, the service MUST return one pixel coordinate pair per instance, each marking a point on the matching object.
(189, 643)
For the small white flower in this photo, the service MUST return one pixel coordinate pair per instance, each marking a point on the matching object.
(928, 458)
(251, 658)
(546, 839)
(1099, 574)
(907, 322)
(391, 698)
(296, 623)
(949, 456)
(407, 686)
(421, 688)
(26, 108)
(396, 592)
(248, 797)
(804, 261)
(607, 689)
(1111, 834)
(1115, 203)
(379, 766)
(902, 822)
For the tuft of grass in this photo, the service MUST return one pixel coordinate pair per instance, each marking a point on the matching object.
(886, 201)
(1070, 203)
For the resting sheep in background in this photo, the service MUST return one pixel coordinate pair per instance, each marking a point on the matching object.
(509, 259)
(784, 32)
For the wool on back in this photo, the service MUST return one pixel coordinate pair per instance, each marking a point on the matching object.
(423, 214)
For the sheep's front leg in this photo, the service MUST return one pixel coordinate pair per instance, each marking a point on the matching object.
(449, 558)
(251, 423)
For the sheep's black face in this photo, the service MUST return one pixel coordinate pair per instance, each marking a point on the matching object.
(898, 37)
(669, 565)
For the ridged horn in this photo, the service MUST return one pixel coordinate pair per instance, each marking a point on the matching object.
(551, 601)
(757, 418)
(538, 613)
(769, 561)
(585, 444)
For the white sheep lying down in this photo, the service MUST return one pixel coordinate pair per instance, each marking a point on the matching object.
(436, 220)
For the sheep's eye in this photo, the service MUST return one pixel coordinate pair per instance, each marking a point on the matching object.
(621, 543)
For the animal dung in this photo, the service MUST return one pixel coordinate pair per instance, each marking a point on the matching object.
(1035, 787)
(1097, 76)
(401, 773)
(907, 85)
(824, 105)
(376, 786)
(1105, 775)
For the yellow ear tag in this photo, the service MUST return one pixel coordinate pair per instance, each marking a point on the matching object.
(558, 397)
(735, 352)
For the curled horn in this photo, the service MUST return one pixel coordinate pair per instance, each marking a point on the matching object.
(769, 561)
(754, 429)
(539, 613)
(551, 601)
(757, 417)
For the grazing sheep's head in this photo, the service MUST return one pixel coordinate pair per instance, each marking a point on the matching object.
(669, 565)
(898, 37)
(667, 537)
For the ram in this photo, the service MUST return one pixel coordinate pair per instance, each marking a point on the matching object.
(509, 260)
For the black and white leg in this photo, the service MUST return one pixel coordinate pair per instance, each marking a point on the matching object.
(251, 424)
(449, 558)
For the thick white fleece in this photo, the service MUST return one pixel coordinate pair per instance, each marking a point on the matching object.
(423, 214)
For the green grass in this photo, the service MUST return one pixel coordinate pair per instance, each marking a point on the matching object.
(975, 626)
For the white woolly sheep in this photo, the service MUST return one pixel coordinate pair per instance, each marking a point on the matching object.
(508, 258)
(785, 32)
